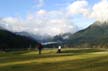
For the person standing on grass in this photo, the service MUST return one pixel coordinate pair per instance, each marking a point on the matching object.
(40, 48)
(59, 49)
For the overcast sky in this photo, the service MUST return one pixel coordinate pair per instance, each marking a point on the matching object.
(51, 17)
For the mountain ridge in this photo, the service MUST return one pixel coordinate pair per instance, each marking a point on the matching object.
(96, 35)
(11, 41)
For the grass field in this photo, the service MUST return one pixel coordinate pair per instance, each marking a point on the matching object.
(70, 59)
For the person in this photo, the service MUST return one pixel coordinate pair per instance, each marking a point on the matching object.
(59, 49)
(40, 48)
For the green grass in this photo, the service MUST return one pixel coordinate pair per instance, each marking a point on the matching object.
(71, 59)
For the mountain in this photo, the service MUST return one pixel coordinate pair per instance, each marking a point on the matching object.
(96, 35)
(11, 41)
(47, 41)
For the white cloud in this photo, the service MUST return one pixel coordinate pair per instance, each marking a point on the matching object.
(100, 11)
(41, 12)
(53, 23)
(78, 7)
(10, 20)
(13, 24)
(42, 22)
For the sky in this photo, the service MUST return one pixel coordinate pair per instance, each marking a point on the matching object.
(51, 17)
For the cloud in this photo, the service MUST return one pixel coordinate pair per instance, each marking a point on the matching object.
(100, 11)
(41, 22)
(13, 24)
(41, 12)
(78, 7)
(52, 23)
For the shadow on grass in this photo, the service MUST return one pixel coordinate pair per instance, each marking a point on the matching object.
(93, 64)
(79, 51)
(90, 64)
(71, 52)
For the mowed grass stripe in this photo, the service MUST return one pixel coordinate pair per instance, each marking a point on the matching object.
(57, 59)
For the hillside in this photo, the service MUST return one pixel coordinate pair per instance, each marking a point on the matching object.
(11, 41)
(95, 35)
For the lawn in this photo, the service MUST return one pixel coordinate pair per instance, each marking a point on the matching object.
(71, 59)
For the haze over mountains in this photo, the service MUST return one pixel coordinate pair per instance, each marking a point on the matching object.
(38, 37)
